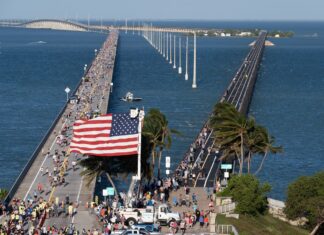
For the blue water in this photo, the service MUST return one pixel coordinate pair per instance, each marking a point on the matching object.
(287, 97)
(33, 78)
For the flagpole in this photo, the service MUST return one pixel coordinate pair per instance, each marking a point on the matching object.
(139, 157)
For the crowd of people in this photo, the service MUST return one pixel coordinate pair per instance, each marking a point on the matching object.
(191, 166)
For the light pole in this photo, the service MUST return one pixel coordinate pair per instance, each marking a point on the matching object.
(85, 68)
(67, 91)
(111, 87)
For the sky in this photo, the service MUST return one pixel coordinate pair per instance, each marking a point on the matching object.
(164, 9)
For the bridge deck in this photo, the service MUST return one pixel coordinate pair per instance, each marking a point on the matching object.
(239, 92)
(94, 94)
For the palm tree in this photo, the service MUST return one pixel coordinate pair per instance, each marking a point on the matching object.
(267, 147)
(166, 140)
(231, 129)
(95, 167)
(254, 143)
(152, 131)
(3, 193)
(240, 136)
(156, 129)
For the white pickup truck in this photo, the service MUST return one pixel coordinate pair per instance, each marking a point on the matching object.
(162, 214)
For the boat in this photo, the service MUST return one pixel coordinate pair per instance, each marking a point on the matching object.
(129, 97)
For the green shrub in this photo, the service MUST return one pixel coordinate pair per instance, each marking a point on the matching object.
(305, 198)
(248, 193)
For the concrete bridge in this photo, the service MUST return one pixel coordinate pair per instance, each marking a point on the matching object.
(54, 24)
(93, 91)
(76, 26)
(239, 93)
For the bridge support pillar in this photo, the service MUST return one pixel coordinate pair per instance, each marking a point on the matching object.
(194, 83)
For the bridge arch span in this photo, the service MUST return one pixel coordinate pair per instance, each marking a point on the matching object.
(55, 24)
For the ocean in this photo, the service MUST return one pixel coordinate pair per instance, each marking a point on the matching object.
(37, 65)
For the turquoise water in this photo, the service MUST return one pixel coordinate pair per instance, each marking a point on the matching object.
(287, 97)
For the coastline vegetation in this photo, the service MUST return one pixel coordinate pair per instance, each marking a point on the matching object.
(305, 198)
(249, 194)
(242, 33)
(239, 139)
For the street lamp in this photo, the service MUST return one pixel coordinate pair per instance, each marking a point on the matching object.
(67, 91)
(111, 87)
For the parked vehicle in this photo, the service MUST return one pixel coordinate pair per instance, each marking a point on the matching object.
(149, 215)
(151, 228)
(135, 231)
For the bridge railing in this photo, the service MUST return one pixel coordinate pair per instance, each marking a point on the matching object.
(227, 208)
(226, 229)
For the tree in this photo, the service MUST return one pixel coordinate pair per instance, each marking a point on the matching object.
(249, 194)
(266, 146)
(240, 137)
(305, 198)
(254, 144)
(94, 168)
(3, 193)
(231, 128)
(156, 129)
(152, 131)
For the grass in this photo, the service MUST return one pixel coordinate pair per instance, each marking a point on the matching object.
(262, 224)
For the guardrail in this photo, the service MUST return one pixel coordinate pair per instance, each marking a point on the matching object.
(226, 229)
(222, 209)
(38, 149)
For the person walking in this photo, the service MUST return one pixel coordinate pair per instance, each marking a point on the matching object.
(183, 227)
(206, 220)
(70, 209)
(197, 214)
(40, 187)
(201, 221)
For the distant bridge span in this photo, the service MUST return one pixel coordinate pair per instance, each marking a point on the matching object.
(74, 26)
(54, 24)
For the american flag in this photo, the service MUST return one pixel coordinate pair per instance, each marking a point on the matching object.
(107, 136)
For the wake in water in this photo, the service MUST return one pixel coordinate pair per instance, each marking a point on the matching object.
(35, 43)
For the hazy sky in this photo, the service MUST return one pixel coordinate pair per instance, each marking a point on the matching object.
(165, 9)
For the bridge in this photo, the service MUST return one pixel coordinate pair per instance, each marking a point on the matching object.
(55, 24)
(51, 161)
(203, 158)
(76, 26)
(46, 24)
